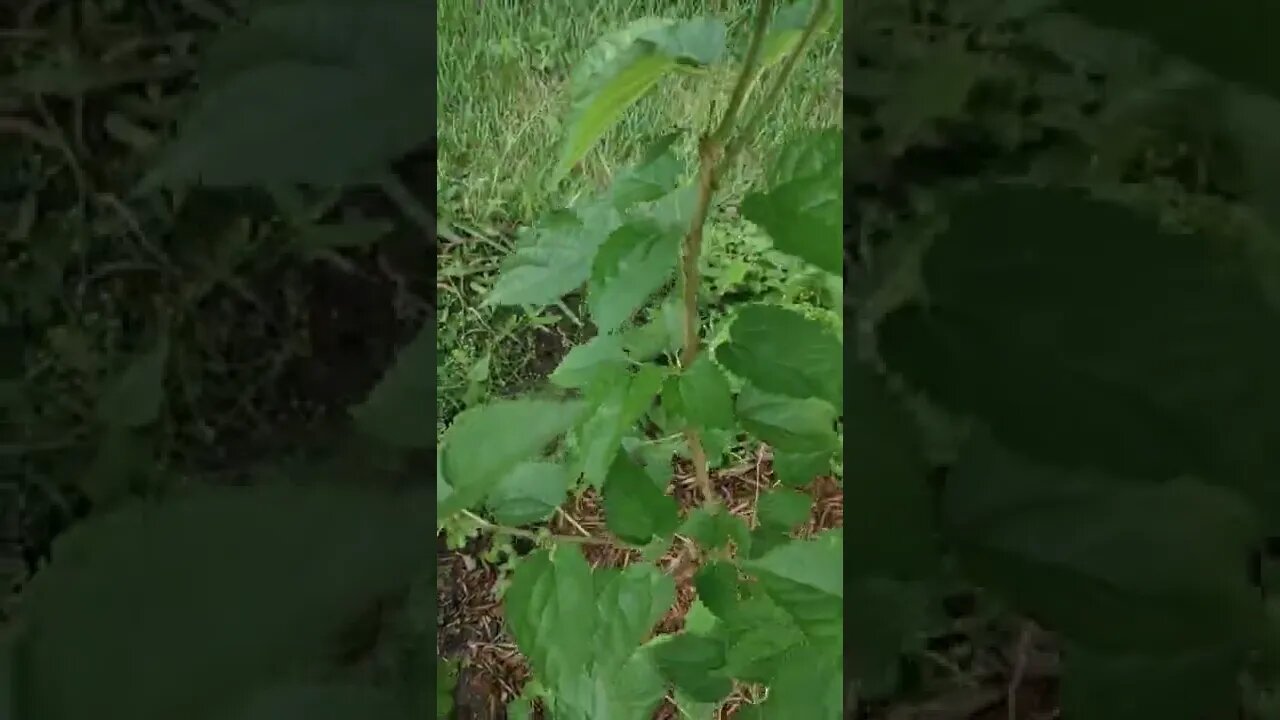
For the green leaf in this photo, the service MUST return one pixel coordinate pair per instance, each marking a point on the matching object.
(635, 509)
(804, 215)
(207, 594)
(340, 98)
(806, 156)
(717, 586)
(766, 538)
(1137, 372)
(1120, 566)
(631, 692)
(554, 258)
(134, 398)
(519, 709)
(697, 42)
(480, 448)
(714, 528)
(635, 262)
(1188, 686)
(780, 351)
(586, 363)
(705, 399)
(1234, 39)
(783, 509)
(629, 604)
(695, 665)
(787, 27)
(400, 410)
(299, 701)
(550, 608)
(622, 67)
(806, 578)
(620, 402)
(799, 469)
(655, 176)
(809, 684)
(886, 482)
(530, 493)
(791, 425)
(758, 634)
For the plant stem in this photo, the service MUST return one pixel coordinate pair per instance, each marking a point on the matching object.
(821, 9)
(750, 71)
(711, 161)
(531, 535)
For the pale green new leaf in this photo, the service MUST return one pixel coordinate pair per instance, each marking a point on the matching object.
(637, 510)
(633, 263)
(207, 595)
(486, 443)
(787, 27)
(530, 493)
(550, 608)
(623, 66)
(400, 410)
(781, 351)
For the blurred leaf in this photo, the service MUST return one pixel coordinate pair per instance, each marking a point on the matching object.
(207, 595)
(134, 398)
(1120, 566)
(1161, 365)
(400, 409)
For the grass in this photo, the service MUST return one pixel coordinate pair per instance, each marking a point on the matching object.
(502, 95)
